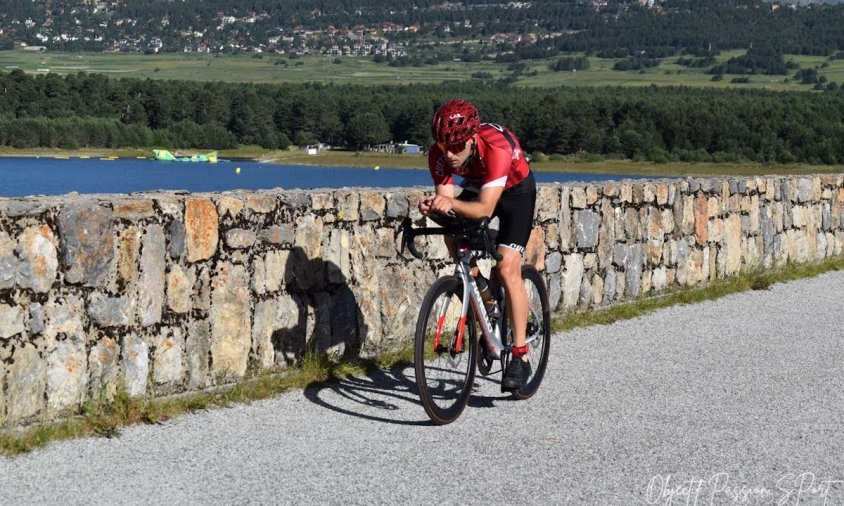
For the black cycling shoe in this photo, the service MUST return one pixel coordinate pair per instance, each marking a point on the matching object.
(516, 375)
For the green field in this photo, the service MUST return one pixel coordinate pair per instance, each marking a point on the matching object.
(272, 68)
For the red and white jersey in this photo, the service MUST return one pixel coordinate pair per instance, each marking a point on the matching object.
(499, 161)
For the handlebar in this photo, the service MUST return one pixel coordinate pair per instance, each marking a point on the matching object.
(476, 233)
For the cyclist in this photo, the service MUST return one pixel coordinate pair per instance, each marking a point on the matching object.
(497, 181)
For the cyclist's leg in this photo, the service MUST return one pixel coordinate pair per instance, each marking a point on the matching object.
(509, 271)
(515, 217)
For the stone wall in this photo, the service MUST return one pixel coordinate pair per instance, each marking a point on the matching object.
(170, 292)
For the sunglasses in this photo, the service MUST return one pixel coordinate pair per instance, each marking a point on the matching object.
(452, 147)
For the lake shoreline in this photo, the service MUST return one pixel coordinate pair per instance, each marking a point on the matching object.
(338, 158)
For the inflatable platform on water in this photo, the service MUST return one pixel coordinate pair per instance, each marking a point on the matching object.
(167, 156)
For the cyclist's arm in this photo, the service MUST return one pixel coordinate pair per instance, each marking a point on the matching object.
(443, 202)
(481, 208)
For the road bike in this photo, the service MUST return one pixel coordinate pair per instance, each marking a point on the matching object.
(455, 334)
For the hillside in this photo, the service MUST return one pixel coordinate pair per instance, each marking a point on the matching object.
(426, 31)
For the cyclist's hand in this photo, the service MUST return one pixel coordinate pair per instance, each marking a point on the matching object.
(442, 205)
(425, 205)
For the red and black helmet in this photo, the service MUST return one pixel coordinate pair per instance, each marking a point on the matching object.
(454, 123)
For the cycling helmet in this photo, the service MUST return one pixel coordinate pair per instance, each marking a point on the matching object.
(454, 123)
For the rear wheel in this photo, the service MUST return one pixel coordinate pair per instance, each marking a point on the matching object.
(538, 330)
(444, 360)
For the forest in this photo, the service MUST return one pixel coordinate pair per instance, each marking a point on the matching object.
(657, 124)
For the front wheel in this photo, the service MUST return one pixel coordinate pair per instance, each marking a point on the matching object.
(445, 357)
(538, 330)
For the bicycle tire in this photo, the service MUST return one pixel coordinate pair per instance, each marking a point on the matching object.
(539, 324)
(444, 376)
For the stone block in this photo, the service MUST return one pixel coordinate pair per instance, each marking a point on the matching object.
(649, 193)
(322, 201)
(176, 236)
(167, 357)
(626, 193)
(87, 242)
(701, 210)
(198, 353)
(348, 204)
(152, 281)
(229, 206)
(110, 311)
(262, 332)
(385, 243)
(239, 238)
(67, 376)
(372, 205)
(11, 321)
(606, 234)
(592, 194)
(586, 294)
(135, 364)
(170, 205)
(547, 202)
(38, 259)
(8, 261)
(281, 234)
(179, 289)
(230, 320)
(565, 220)
(37, 321)
(554, 262)
(296, 200)
(632, 228)
(633, 269)
(26, 384)
(261, 204)
(397, 205)
(201, 229)
(104, 369)
(554, 292)
(572, 279)
(275, 264)
(535, 249)
(133, 209)
(662, 193)
(587, 223)
(128, 251)
(578, 197)
(306, 259)
(610, 283)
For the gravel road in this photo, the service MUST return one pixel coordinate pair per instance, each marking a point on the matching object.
(734, 401)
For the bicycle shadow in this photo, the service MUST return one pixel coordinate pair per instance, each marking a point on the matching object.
(390, 396)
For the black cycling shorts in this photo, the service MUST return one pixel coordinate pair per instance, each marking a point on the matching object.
(514, 211)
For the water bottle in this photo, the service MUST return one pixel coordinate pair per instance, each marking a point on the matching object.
(486, 294)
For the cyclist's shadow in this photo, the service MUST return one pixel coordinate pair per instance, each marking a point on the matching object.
(327, 320)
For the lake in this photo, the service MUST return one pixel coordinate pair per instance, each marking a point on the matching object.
(52, 176)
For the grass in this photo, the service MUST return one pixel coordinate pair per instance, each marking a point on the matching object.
(362, 70)
(106, 418)
(754, 280)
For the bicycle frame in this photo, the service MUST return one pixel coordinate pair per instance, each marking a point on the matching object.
(472, 297)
